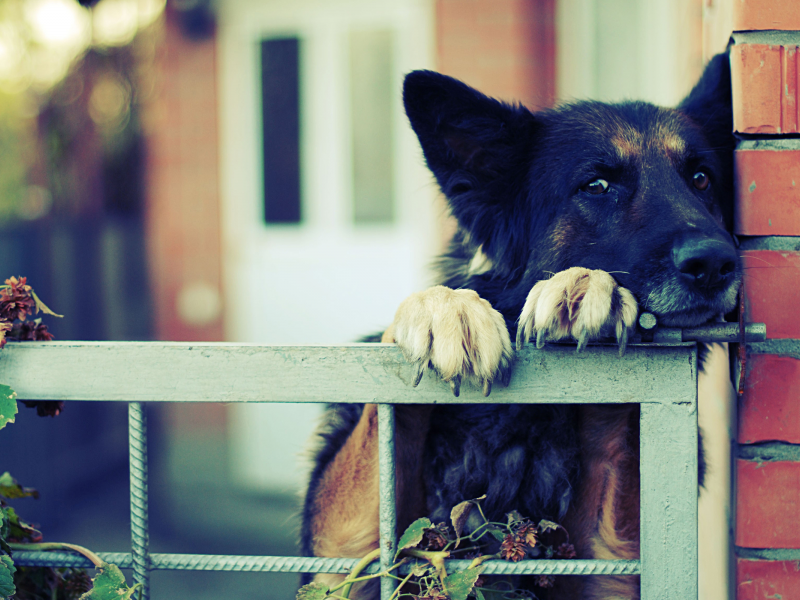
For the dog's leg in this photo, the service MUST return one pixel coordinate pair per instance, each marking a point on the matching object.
(461, 337)
(604, 520)
(345, 522)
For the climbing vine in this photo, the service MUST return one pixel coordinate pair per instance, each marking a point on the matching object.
(18, 305)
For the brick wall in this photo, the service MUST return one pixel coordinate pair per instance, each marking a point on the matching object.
(183, 212)
(505, 48)
(765, 67)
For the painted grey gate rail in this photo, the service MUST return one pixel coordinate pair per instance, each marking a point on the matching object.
(662, 377)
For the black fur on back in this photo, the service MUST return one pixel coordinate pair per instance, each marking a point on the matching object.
(522, 457)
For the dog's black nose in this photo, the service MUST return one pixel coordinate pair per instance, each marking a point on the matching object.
(705, 261)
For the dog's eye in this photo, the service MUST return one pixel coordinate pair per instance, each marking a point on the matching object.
(596, 187)
(701, 180)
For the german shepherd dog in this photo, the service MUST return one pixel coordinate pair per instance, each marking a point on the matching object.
(570, 221)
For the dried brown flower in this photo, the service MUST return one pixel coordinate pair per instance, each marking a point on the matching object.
(45, 408)
(566, 550)
(77, 583)
(512, 549)
(30, 331)
(436, 537)
(16, 300)
(526, 534)
(545, 581)
(5, 327)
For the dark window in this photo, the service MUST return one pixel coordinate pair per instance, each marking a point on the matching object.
(280, 102)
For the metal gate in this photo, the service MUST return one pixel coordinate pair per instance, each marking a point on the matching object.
(660, 376)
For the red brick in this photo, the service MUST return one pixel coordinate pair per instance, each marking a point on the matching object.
(182, 218)
(769, 410)
(767, 504)
(768, 192)
(505, 48)
(767, 579)
(750, 15)
(765, 88)
(772, 287)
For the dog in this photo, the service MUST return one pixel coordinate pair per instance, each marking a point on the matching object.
(570, 222)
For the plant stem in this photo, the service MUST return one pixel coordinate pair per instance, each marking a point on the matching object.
(353, 576)
(435, 558)
(426, 554)
(480, 510)
(481, 559)
(472, 536)
(96, 560)
(399, 587)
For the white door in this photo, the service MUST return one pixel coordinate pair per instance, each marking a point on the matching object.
(323, 242)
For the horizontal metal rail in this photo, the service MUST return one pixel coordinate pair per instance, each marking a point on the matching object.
(359, 373)
(293, 564)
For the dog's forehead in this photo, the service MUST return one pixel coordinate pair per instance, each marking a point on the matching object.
(662, 134)
(627, 132)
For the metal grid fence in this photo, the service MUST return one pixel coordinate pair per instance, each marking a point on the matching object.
(661, 377)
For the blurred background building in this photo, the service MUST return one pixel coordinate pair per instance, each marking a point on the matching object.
(242, 171)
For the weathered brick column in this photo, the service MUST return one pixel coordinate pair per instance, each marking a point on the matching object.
(765, 65)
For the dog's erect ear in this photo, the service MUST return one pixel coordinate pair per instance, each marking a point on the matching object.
(478, 149)
(709, 104)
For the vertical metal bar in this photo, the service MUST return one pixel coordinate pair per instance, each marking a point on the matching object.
(140, 532)
(388, 486)
(669, 493)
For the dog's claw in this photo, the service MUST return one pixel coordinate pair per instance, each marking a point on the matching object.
(540, 338)
(455, 385)
(522, 337)
(583, 339)
(487, 387)
(622, 340)
(419, 374)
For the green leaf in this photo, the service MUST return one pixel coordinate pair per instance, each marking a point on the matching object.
(514, 517)
(8, 405)
(545, 526)
(497, 534)
(312, 591)
(43, 307)
(459, 585)
(9, 488)
(413, 535)
(110, 585)
(7, 570)
(421, 569)
(460, 514)
(478, 594)
(4, 531)
(18, 530)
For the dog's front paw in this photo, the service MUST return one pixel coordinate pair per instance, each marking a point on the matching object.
(579, 303)
(457, 333)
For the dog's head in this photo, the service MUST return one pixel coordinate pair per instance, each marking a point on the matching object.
(633, 189)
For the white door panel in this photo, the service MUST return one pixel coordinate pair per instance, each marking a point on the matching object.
(326, 279)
